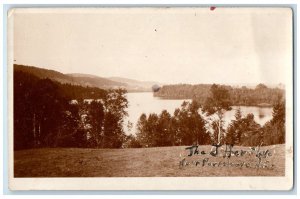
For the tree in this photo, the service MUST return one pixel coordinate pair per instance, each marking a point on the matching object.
(155, 88)
(261, 87)
(163, 134)
(251, 131)
(216, 104)
(151, 129)
(279, 120)
(235, 129)
(142, 135)
(244, 131)
(114, 135)
(115, 104)
(274, 130)
(175, 138)
(67, 136)
(217, 131)
(185, 127)
(48, 115)
(191, 125)
(147, 130)
(23, 110)
(96, 118)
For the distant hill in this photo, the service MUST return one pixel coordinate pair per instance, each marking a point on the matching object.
(135, 84)
(131, 85)
(95, 81)
(81, 75)
(87, 79)
(45, 73)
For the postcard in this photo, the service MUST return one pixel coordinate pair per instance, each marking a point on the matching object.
(150, 98)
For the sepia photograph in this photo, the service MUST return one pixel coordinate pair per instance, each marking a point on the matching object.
(192, 93)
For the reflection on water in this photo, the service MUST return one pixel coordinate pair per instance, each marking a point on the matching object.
(145, 103)
(261, 114)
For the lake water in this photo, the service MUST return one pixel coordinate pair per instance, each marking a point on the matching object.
(145, 103)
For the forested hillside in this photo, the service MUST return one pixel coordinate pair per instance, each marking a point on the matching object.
(50, 114)
(85, 80)
(70, 79)
(259, 96)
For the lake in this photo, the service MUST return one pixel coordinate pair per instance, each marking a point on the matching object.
(144, 102)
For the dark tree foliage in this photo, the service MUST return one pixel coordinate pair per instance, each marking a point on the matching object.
(131, 142)
(81, 93)
(185, 127)
(143, 136)
(51, 114)
(175, 128)
(148, 130)
(243, 96)
(69, 134)
(38, 111)
(244, 131)
(274, 130)
(192, 125)
(96, 120)
(23, 110)
(252, 134)
(163, 129)
(261, 87)
(217, 103)
(115, 104)
(48, 111)
(235, 129)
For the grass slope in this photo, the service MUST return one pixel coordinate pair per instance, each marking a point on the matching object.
(145, 162)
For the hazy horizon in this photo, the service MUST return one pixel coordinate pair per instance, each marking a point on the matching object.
(170, 46)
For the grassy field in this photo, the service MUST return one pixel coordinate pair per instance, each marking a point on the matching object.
(145, 162)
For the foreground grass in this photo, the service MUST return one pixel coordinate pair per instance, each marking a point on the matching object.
(145, 162)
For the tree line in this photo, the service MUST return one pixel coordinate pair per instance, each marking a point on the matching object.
(51, 114)
(188, 126)
(261, 95)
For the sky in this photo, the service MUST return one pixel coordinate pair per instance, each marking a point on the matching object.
(168, 45)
